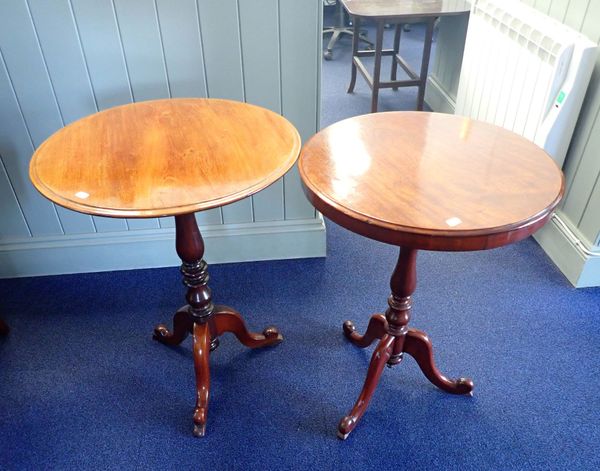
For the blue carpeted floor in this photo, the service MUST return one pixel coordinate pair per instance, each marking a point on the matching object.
(83, 386)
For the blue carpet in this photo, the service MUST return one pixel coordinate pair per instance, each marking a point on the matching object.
(83, 385)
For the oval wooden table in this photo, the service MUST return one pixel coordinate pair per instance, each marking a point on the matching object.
(424, 181)
(172, 158)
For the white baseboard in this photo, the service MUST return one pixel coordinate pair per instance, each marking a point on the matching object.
(573, 255)
(437, 98)
(156, 248)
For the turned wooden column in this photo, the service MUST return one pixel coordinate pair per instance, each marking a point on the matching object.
(403, 284)
(190, 248)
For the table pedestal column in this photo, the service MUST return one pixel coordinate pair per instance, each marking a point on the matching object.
(395, 339)
(203, 319)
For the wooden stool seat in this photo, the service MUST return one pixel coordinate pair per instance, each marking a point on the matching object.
(424, 181)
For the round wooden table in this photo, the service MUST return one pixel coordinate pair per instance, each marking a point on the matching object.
(172, 158)
(424, 181)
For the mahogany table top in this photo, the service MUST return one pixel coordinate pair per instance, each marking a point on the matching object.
(164, 157)
(405, 8)
(430, 181)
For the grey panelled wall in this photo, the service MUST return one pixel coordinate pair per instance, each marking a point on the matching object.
(61, 60)
(573, 238)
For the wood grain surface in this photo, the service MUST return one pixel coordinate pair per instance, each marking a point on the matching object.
(164, 157)
(410, 8)
(430, 181)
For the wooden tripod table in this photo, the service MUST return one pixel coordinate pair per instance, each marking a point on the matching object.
(424, 181)
(172, 158)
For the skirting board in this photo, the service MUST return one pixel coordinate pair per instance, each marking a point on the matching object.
(580, 267)
(437, 98)
(300, 238)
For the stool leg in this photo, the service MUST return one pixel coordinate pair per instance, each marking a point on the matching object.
(376, 330)
(397, 34)
(201, 349)
(355, 41)
(378, 360)
(425, 63)
(418, 345)
(377, 66)
(227, 319)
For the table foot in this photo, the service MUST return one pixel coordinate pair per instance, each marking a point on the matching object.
(201, 350)
(182, 326)
(418, 345)
(226, 319)
(378, 360)
(4, 329)
(376, 330)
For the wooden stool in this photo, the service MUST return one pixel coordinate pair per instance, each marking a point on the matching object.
(424, 181)
(396, 12)
(172, 158)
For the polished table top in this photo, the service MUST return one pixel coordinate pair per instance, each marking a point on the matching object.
(413, 8)
(429, 180)
(164, 157)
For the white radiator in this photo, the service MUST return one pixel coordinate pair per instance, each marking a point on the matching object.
(524, 71)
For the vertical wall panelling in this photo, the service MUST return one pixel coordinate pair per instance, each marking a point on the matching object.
(184, 61)
(138, 26)
(300, 80)
(558, 10)
(12, 222)
(259, 21)
(543, 5)
(59, 45)
(27, 112)
(576, 13)
(97, 32)
(220, 27)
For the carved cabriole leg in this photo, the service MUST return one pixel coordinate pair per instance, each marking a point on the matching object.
(378, 360)
(226, 319)
(182, 326)
(418, 346)
(375, 331)
(201, 350)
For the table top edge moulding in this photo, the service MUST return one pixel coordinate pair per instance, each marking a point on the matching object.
(452, 230)
(151, 184)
